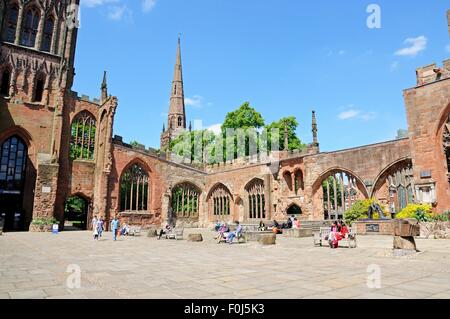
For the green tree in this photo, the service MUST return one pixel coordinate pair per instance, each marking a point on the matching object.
(243, 118)
(291, 123)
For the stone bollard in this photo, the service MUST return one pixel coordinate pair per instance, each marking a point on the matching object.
(269, 239)
(195, 238)
(404, 232)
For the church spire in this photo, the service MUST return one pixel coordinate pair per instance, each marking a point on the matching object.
(177, 113)
(314, 129)
(104, 89)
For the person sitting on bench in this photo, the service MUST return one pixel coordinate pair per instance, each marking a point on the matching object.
(223, 232)
(165, 231)
(234, 234)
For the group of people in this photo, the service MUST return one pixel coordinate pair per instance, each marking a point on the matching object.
(338, 232)
(224, 233)
(292, 222)
(98, 226)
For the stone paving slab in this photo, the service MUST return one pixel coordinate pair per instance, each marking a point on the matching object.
(34, 265)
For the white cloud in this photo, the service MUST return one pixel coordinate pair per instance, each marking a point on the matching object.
(447, 48)
(118, 13)
(195, 101)
(416, 45)
(350, 114)
(148, 5)
(96, 3)
(342, 52)
(354, 113)
(216, 128)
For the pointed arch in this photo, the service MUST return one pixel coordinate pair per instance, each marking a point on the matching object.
(186, 197)
(256, 199)
(134, 188)
(220, 200)
(83, 134)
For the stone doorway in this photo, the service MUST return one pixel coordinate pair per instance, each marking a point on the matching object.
(76, 213)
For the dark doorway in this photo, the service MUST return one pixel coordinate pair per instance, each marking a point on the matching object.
(13, 162)
(294, 210)
(76, 210)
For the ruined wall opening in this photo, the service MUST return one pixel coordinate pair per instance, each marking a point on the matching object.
(256, 199)
(186, 202)
(134, 189)
(82, 142)
(220, 201)
(76, 212)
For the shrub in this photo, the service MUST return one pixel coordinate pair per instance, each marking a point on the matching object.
(445, 217)
(420, 212)
(359, 210)
(44, 221)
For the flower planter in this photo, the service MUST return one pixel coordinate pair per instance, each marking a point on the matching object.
(40, 228)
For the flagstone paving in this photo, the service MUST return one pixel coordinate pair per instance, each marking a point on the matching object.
(35, 265)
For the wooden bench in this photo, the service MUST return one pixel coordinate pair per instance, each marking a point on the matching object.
(321, 238)
(135, 231)
(176, 234)
(240, 238)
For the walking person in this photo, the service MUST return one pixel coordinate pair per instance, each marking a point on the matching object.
(100, 226)
(95, 227)
(115, 225)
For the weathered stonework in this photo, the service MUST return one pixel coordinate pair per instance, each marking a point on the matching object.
(288, 179)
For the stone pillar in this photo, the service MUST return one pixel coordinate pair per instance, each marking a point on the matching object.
(45, 191)
(40, 31)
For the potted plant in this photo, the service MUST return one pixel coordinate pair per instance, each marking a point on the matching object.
(43, 224)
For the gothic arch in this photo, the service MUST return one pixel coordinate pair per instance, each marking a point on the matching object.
(217, 185)
(135, 188)
(360, 183)
(256, 200)
(379, 179)
(137, 161)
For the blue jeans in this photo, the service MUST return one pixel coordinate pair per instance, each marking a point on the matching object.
(114, 234)
(231, 237)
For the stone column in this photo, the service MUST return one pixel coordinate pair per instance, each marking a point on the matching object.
(40, 31)
(19, 25)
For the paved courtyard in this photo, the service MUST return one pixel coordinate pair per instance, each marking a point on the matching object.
(34, 265)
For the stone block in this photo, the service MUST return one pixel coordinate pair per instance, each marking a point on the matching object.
(405, 243)
(298, 233)
(195, 238)
(267, 239)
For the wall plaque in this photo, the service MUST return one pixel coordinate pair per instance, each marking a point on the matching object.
(372, 228)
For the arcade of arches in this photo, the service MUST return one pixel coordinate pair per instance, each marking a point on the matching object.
(56, 144)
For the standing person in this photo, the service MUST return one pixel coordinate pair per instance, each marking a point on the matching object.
(95, 223)
(100, 226)
(115, 227)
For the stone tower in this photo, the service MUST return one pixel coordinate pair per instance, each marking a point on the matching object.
(176, 123)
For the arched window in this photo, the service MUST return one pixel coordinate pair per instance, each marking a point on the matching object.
(30, 27)
(180, 121)
(401, 187)
(134, 189)
(256, 199)
(48, 35)
(82, 143)
(220, 200)
(298, 181)
(185, 201)
(12, 166)
(39, 89)
(340, 191)
(12, 23)
(4, 85)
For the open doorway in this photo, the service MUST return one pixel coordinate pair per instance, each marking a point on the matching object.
(76, 210)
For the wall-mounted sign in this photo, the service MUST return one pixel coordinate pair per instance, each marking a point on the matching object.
(372, 228)
(46, 189)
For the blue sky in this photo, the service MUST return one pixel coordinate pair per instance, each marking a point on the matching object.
(286, 57)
